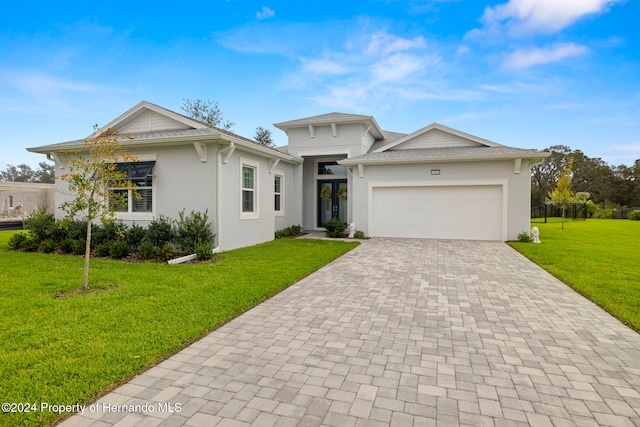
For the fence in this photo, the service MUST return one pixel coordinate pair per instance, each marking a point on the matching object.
(575, 212)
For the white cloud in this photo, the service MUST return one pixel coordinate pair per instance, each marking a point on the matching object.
(265, 13)
(633, 147)
(323, 66)
(524, 58)
(519, 17)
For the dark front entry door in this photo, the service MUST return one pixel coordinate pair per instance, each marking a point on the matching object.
(332, 200)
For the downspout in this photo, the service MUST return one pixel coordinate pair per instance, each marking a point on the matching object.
(230, 148)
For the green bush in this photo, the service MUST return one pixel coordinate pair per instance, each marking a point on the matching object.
(76, 229)
(193, 230)
(47, 246)
(291, 231)
(335, 227)
(16, 241)
(147, 251)
(41, 224)
(29, 245)
(66, 246)
(167, 252)
(135, 235)
(204, 252)
(524, 237)
(118, 249)
(358, 234)
(103, 249)
(604, 214)
(634, 215)
(160, 231)
(78, 246)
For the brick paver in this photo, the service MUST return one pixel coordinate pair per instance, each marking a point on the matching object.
(400, 332)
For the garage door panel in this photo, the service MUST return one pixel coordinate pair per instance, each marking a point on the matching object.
(446, 212)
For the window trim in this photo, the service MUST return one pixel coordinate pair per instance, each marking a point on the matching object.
(255, 214)
(129, 214)
(279, 212)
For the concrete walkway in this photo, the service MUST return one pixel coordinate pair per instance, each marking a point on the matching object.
(402, 332)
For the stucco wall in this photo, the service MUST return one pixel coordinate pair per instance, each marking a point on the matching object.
(518, 186)
(292, 193)
(348, 140)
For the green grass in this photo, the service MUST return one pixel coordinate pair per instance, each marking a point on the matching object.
(599, 258)
(71, 350)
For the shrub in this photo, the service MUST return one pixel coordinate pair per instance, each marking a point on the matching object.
(102, 249)
(41, 224)
(118, 249)
(16, 241)
(335, 227)
(76, 229)
(29, 245)
(193, 230)
(204, 252)
(634, 215)
(47, 246)
(135, 235)
(524, 237)
(147, 251)
(358, 234)
(290, 231)
(78, 246)
(66, 246)
(160, 231)
(604, 214)
(167, 252)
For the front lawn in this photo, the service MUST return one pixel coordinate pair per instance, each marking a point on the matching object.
(599, 258)
(64, 348)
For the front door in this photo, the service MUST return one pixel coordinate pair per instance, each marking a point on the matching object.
(332, 200)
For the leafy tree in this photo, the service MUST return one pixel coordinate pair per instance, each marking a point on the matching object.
(24, 173)
(207, 112)
(562, 196)
(93, 176)
(263, 136)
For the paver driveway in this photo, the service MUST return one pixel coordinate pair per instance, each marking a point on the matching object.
(402, 332)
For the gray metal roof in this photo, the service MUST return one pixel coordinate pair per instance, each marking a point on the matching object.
(445, 154)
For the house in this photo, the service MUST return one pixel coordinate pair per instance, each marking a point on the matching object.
(434, 183)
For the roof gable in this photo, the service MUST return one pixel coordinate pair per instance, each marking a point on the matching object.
(334, 118)
(436, 136)
(148, 117)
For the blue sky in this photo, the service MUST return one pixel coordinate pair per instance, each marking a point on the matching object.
(524, 73)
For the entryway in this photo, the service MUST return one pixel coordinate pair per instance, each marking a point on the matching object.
(332, 200)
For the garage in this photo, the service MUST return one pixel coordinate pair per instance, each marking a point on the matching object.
(469, 212)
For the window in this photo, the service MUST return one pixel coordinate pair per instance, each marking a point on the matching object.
(248, 189)
(331, 168)
(278, 207)
(140, 201)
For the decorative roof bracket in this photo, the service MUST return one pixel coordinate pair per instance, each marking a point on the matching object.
(517, 166)
(312, 131)
(273, 163)
(201, 149)
(334, 129)
(365, 130)
(360, 170)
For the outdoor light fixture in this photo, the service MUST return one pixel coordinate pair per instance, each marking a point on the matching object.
(435, 171)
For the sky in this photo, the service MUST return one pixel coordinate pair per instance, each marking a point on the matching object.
(523, 73)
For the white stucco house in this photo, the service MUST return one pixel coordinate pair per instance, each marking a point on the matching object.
(436, 182)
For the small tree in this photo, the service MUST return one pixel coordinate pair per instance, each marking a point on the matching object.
(562, 196)
(263, 136)
(207, 112)
(94, 178)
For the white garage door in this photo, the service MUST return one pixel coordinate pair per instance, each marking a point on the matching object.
(448, 212)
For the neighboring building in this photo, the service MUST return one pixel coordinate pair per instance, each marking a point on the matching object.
(19, 199)
(434, 183)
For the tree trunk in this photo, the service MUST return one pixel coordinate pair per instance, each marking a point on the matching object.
(563, 215)
(87, 255)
